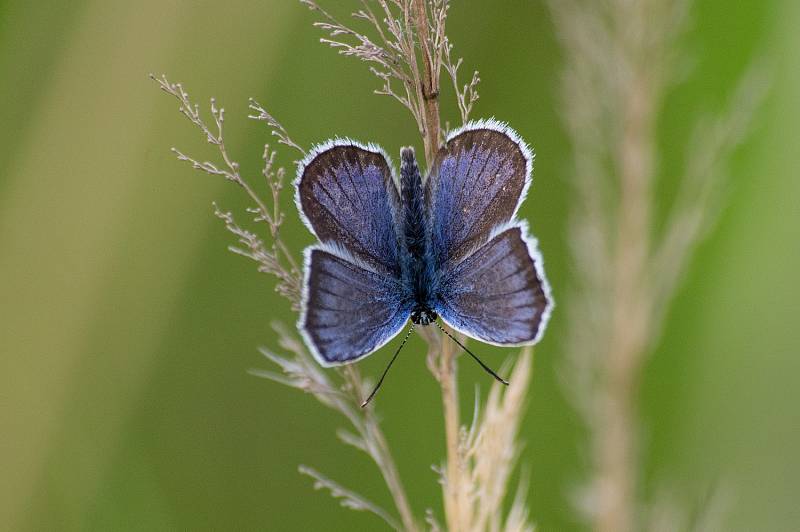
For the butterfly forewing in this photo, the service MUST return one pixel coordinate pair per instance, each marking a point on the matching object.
(348, 197)
(475, 185)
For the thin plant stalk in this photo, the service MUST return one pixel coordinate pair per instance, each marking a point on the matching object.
(616, 453)
(453, 492)
(428, 87)
(448, 361)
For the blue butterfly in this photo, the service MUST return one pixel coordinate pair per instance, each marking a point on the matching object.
(394, 249)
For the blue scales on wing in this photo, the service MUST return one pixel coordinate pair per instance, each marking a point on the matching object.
(491, 282)
(353, 299)
(476, 184)
(348, 197)
(350, 311)
(498, 294)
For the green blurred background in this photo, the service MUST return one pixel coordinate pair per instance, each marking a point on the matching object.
(127, 329)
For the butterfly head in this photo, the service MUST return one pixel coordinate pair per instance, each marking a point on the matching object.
(423, 316)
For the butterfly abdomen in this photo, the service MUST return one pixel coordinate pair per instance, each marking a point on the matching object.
(419, 272)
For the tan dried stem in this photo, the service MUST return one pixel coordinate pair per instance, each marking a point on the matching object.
(619, 64)
(447, 373)
(429, 82)
(487, 455)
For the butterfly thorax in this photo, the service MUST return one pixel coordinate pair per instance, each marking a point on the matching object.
(418, 267)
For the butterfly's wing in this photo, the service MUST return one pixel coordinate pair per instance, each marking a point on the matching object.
(476, 183)
(498, 294)
(347, 196)
(348, 310)
(353, 300)
(492, 284)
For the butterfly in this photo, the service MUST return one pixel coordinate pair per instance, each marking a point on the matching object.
(393, 248)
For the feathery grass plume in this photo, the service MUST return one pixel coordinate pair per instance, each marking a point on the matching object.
(489, 452)
(347, 498)
(407, 51)
(275, 259)
(620, 59)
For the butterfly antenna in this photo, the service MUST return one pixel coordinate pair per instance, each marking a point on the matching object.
(380, 381)
(478, 360)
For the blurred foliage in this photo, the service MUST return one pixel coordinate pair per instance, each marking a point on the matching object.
(127, 329)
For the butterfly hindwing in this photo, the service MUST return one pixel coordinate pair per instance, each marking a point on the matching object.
(498, 294)
(476, 183)
(349, 310)
(347, 196)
